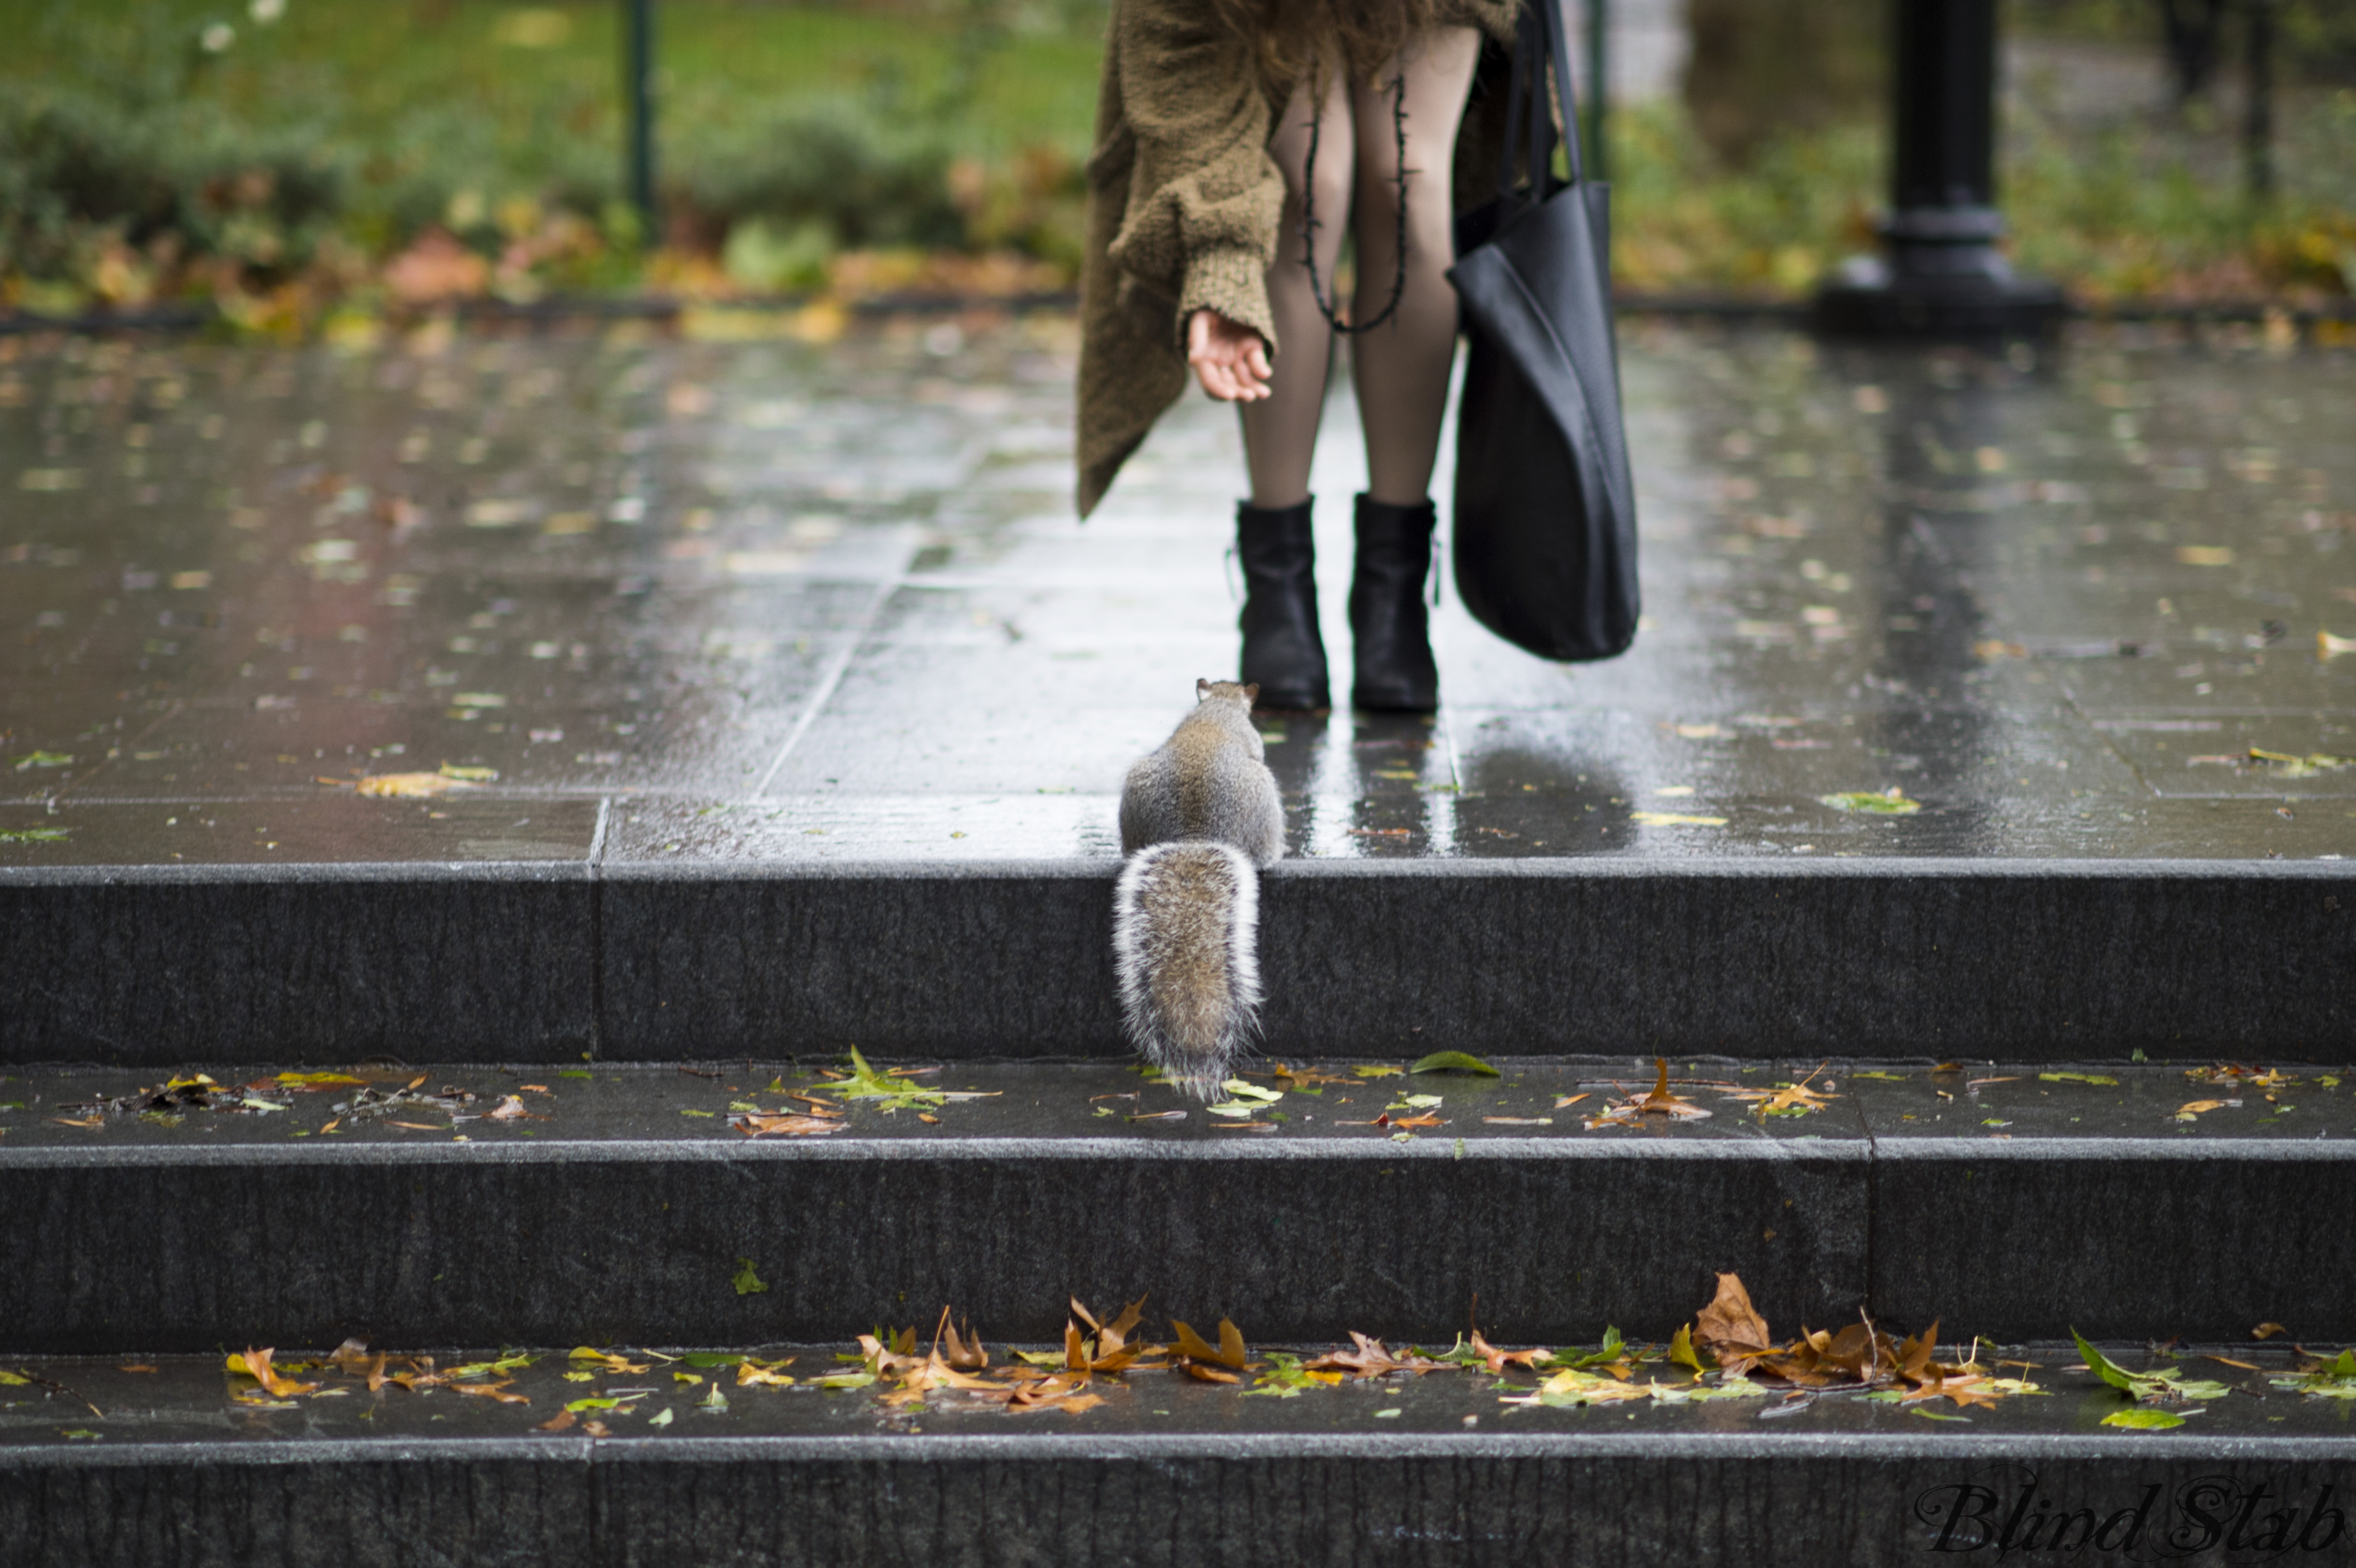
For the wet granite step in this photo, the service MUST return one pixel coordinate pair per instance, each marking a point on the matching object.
(539, 962)
(1166, 1472)
(629, 1205)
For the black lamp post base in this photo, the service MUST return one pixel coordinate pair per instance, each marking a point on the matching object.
(1870, 299)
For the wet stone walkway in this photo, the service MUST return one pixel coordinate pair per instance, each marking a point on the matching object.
(640, 597)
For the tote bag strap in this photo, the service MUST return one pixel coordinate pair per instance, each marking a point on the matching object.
(1542, 40)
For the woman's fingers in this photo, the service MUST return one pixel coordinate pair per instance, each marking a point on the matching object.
(1230, 361)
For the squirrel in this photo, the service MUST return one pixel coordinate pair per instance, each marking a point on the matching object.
(1199, 818)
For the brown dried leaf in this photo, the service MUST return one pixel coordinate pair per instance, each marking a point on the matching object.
(1309, 1077)
(493, 1391)
(1497, 1359)
(1372, 1358)
(1730, 1329)
(785, 1125)
(2267, 1330)
(561, 1422)
(257, 1365)
(1208, 1374)
(966, 1352)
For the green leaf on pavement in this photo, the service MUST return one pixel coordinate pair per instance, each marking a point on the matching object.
(2144, 1419)
(1453, 1061)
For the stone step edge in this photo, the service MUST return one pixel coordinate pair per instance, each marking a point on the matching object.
(538, 964)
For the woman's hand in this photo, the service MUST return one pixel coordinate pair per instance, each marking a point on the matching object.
(1230, 361)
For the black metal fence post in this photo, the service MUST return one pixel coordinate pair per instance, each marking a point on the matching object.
(1940, 270)
(2258, 112)
(638, 73)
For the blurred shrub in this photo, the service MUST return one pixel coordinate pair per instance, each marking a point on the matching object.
(88, 186)
(844, 166)
(1761, 69)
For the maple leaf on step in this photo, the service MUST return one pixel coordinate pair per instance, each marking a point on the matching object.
(1231, 1351)
(1730, 1329)
(1658, 1102)
(965, 1352)
(256, 1365)
(1372, 1358)
(1496, 1359)
(1109, 1351)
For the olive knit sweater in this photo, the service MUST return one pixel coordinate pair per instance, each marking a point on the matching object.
(1184, 204)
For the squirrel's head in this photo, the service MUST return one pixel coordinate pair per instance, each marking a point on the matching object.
(1242, 695)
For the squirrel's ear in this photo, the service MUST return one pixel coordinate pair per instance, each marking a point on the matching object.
(1251, 693)
(1202, 689)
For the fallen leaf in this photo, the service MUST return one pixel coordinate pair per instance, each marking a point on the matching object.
(2267, 1330)
(493, 1391)
(408, 785)
(1378, 1071)
(2144, 1420)
(1371, 1358)
(2229, 1361)
(256, 1364)
(1564, 1102)
(1730, 1329)
(1659, 1102)
(607, 1362)
(1454, 1061)
(561, 1421)
(2193, 1108)
(791, 1125)
(1891, 802)
(1496, 1361)
(751, 1373)
(966, 1352)
(1191, 1345)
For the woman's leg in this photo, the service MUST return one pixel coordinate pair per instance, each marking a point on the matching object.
(1280, 429)
(1401, 368)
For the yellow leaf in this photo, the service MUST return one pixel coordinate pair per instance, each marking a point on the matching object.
(408, 785)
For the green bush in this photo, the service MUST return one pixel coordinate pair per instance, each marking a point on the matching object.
(80, 173)
(846, 166)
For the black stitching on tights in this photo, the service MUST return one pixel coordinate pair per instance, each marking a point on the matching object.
(1332, 313)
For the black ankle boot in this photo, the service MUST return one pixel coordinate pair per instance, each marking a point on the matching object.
(1391, 630)
(1282, 651)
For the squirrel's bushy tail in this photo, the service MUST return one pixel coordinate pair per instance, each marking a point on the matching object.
(1185, 947)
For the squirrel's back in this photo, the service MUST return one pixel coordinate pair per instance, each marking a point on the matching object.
(1198, 816)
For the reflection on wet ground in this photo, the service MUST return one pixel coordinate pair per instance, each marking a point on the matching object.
(649, 599)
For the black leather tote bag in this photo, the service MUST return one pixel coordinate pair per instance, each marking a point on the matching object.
(1545, 511)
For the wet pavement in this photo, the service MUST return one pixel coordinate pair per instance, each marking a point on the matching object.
(634, 598)
(1325, 1104)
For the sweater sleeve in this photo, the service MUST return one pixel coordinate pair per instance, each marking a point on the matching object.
(1205, 199)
